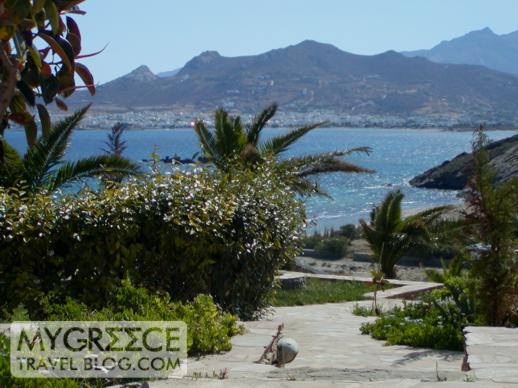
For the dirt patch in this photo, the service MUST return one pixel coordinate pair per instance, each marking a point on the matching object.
(350, 267)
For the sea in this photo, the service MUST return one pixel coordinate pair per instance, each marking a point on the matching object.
(397, 156)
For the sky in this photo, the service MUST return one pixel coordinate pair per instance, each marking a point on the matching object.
(165, 34)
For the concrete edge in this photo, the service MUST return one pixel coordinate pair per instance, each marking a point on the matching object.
(404, 290)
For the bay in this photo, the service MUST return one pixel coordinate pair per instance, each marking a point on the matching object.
(397, 156)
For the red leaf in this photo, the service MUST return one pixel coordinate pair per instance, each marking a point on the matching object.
(61, 104)
(46, 71)
(31, 131)
(75, 42)
(74, 35)
(72, 27)
(22, 118)
(92, 54)
(45, 120)
(59, 48)
(86, 76)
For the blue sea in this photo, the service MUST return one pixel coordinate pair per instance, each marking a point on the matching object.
(397, 156)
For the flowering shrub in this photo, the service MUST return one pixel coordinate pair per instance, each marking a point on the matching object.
(185, 233)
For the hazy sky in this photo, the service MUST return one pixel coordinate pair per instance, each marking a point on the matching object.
(164, 34)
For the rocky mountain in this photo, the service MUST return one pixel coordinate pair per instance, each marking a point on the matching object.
(482, 47)
(167, 74)
(313, 76)
(454, 174)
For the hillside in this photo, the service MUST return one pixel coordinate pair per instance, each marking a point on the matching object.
(314, 76)
(482, 47)
(454, 174)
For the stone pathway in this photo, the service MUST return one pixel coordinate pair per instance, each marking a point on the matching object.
(492, 353)
(332, 352)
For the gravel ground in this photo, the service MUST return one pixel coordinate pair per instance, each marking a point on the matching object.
(351, 267)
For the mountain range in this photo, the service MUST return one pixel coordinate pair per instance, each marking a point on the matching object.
(482, 47)
(314, 76)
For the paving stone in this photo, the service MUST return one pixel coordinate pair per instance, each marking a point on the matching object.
(333, 353)
(492, 353)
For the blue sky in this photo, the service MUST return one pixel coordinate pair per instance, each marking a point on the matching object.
(164, 34)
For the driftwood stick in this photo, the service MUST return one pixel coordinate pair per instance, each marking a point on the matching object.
(269, 348)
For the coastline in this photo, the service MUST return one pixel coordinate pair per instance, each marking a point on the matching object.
(333, 223)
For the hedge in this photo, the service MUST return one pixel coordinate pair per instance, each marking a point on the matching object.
(186, 233)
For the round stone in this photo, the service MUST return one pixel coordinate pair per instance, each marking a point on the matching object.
(287, 350)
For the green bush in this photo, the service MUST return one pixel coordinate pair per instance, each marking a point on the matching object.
(335, 247)
(312, 242)
(208, 328)
(435, 322)
(187, 233)
(330, 243)
(7, 380)
(352, 232)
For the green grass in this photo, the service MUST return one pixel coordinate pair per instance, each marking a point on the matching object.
(318, 291)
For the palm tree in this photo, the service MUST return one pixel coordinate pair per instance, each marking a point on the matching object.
(390, 236)
(233, 142)
(43, 168)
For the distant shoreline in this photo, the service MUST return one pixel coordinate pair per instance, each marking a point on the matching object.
(442, 129)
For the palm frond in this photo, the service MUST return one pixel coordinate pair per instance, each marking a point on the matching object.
(47, 153)
(394, 211)
(328, 165)
(206, 139)
(229, 134)
(254, 130)
(373, 237)
(91, 167)
(279, 144)
(323, 163)
(250, 155)
(433, 213)
(304, 186)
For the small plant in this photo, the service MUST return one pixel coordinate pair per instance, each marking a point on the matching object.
(435, 322)
(115, 145)
(363, 311)
(379, 282)
(454, 268)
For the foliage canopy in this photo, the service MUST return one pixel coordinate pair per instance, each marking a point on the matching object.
(40, 53)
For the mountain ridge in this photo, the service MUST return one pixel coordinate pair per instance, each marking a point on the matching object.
(479, 47)
(313, 76)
